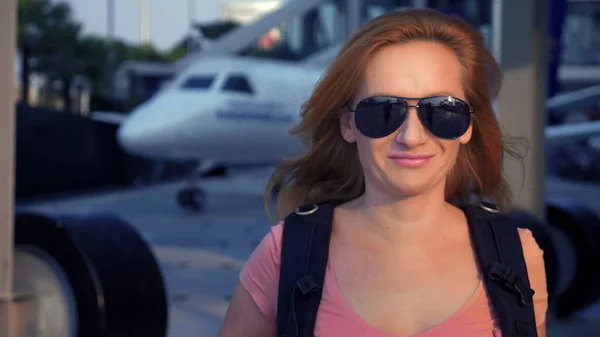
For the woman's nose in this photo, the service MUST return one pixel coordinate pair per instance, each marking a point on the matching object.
(411, 131)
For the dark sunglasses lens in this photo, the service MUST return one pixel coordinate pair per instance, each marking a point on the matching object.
(445, 117)
(378, 117)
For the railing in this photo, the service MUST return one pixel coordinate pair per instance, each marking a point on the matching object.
(572, 132)
(562, 104)
(579, 99)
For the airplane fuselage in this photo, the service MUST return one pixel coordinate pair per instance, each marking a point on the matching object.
(230, 110)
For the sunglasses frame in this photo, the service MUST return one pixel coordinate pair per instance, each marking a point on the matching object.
(416, 106)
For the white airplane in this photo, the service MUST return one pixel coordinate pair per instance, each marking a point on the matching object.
(238, 111)
(227, 110)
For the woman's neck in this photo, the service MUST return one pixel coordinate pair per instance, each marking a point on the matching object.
(411, 219)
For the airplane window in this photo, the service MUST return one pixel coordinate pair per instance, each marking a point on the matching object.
(237, 83)
(198, 82)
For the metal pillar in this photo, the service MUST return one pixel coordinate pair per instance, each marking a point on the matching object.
(144, 21)
(520, 43)
(8, 12)
(354, 14)
(110, 19)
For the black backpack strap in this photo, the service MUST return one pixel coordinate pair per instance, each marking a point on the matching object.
(500, 256)
(304, 254)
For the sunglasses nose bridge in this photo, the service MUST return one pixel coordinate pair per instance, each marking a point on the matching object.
(409, 115)
(410, 107)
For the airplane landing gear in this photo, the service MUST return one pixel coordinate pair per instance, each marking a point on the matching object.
(191, 198)
(87, 275)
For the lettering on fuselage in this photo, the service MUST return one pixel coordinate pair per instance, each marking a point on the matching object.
(250, 110)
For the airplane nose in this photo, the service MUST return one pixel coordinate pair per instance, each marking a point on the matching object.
(137, 136)
(156, 128)
(128, 136)
(162, 126)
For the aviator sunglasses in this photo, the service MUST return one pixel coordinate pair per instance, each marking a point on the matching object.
(445, 117)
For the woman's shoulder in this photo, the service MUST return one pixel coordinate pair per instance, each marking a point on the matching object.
(534, 259)
(269, 248)
(531, 249)
(260, 274)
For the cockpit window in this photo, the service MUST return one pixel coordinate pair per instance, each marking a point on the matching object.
(198, 82)
(237, 83)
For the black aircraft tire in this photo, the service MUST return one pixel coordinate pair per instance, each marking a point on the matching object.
(115, 279)
(582, 227)
(542, 236)
(191, 199)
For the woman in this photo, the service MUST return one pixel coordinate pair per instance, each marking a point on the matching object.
(400, 130)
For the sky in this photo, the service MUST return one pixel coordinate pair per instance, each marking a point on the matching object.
(168, 18)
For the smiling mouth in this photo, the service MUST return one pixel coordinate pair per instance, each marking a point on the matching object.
(410, 160)
(410, 156)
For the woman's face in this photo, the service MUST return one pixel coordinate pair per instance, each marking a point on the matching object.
(416, 69)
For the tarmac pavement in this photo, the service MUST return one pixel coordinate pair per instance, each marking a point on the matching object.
(202, 255)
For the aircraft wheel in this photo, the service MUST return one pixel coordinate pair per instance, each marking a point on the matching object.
(191, 199)
(582, 227)
(88, 275)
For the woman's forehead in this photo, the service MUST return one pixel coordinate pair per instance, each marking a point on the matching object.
(413, 69)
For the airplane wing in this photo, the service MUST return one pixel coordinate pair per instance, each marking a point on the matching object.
(108, 117)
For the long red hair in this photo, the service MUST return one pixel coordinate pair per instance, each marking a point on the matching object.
(330, 170)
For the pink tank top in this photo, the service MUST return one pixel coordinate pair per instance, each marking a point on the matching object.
(260, 277)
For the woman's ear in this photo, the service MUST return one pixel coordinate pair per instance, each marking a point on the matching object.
(466, 137)
(347, 126)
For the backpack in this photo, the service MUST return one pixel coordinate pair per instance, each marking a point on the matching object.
(304, 254)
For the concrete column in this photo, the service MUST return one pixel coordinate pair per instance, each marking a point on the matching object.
(8, 12)
(520, 43)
